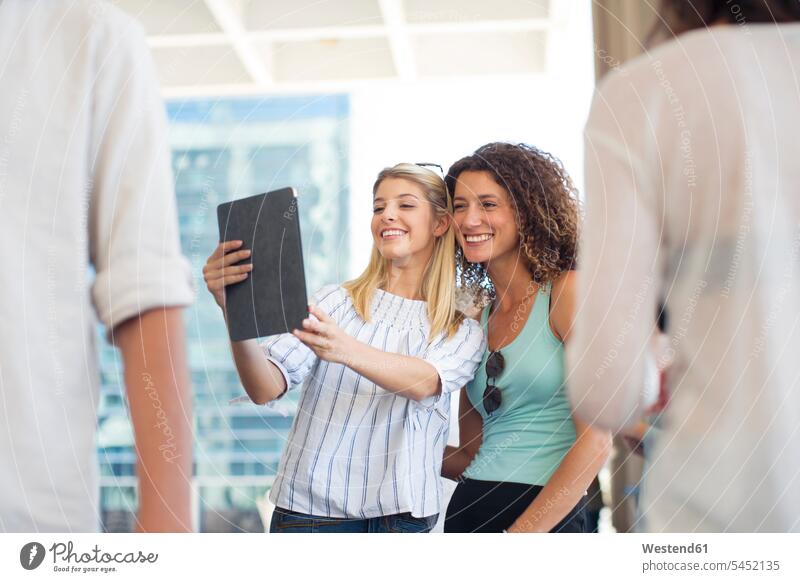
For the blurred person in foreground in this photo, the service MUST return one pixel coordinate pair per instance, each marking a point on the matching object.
(692, 196)
(85, 182)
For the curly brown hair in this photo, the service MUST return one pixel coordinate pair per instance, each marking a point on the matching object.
(546, 203)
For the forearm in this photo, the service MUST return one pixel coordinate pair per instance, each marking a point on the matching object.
(261, 379)
(470, 435)
(407, 376)
(159, 398)
(567, 485)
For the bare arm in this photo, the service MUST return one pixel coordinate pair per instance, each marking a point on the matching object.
(407, 376)
(586, 456)
(262, 380)
(567, 485)
(159, 397)
(470, 435)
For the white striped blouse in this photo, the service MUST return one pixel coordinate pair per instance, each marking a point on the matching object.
(356, 450)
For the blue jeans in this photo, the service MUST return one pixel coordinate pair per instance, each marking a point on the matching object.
(285, 521)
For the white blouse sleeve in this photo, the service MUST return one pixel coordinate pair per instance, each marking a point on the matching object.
(292, 357)
(457, 358)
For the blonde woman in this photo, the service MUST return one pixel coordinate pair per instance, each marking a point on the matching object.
(378, 362)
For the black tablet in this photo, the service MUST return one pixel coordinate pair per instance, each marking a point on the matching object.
(273, 298)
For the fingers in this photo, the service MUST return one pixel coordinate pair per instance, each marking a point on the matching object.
(220, 261)
(317, 312)
(225, 247)
(312, 340)
(315, 326)
(226, 271)
(228, 259)
(232, 258)
(219, 278)
(228, 279)
(224, 255)
(218, 271)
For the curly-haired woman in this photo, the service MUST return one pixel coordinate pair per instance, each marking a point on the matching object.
(523, 462)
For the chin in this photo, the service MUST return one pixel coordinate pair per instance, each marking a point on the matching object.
(395, 256)
(476, 257)
(391, 254)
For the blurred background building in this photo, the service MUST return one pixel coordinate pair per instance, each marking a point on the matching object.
(321, 95)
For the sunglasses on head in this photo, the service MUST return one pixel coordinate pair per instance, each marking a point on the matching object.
(430, 165)
(492, 397)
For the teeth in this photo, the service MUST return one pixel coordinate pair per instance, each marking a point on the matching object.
(386, 233)
(478, 237)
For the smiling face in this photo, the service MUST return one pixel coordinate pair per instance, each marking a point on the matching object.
(404, 225)
(486, 224)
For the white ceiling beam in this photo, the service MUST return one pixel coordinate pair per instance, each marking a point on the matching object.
(518, 25)
(399, 42)
(184, 40)
(318, 33)
(337, 32)
(378, 30)
(268, 36)
(230, 21)
(332, 86)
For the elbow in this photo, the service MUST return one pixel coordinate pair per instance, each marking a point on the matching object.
(427, 391)
(423, 394)
(424, 389)
(263, 388)
(261, 396)
(258, 398)
(261, 401)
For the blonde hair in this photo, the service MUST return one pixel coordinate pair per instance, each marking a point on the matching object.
(439, 280)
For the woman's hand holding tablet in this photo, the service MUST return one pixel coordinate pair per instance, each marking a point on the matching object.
(222, 269)
(326, 339)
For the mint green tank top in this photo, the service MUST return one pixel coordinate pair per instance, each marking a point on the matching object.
(525, 440)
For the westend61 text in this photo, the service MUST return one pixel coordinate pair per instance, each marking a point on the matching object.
(670, 549)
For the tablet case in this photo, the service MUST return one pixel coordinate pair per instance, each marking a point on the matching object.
(273, 298)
